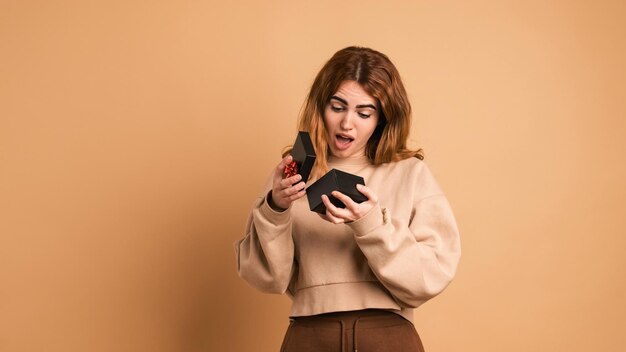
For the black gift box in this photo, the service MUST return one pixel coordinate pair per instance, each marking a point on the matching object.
(334, 180)
(303, 154)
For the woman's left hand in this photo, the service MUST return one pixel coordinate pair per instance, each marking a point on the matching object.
(353, 211)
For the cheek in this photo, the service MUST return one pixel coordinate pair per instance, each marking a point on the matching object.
(328, 123)
(369, 128)
(330, 118)
(326, 120)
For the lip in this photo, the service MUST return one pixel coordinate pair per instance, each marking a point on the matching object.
(347, 136)
(342, 144)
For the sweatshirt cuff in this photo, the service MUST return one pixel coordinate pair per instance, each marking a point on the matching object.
(273, 216)
(374, 218)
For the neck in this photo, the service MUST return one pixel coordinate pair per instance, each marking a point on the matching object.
(354, 160)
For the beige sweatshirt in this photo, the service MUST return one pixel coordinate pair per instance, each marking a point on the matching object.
(400, 254)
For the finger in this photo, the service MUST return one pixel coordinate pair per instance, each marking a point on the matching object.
(294, 189)
(281, 166)
(367, 192)
(286, 160)
(325, 217)
(290, 181)
(331, 210)
(292, 193)
(350, 204)
(297, 196)
(333, 219)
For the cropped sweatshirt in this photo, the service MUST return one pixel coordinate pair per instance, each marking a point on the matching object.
(404, 251)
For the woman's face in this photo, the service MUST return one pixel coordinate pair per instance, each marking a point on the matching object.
(351, 117)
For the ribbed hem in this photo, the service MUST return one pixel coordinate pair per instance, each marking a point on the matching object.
(274, 217)
(373, 219)
(343, 297)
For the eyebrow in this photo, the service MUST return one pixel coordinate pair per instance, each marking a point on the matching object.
(345, 102)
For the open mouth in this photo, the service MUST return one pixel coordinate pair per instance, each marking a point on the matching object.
(343, 141)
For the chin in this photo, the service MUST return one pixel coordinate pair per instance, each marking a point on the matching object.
(342, 154)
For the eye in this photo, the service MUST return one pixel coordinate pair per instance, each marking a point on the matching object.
(364, 115)
(336, 108)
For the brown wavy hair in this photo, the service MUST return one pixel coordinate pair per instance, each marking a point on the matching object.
(380, 79)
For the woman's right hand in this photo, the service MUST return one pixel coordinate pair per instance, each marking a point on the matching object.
(285, 190)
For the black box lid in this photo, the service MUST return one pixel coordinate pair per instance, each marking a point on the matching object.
(303, 154)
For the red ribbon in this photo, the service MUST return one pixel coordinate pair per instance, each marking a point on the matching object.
(291, 169)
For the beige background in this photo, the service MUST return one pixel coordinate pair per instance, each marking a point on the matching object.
(134, 136)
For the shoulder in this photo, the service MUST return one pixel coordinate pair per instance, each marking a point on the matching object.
(409, 166)
(411, 163)
(414, 171)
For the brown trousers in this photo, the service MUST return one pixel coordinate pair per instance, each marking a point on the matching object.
(369, 330)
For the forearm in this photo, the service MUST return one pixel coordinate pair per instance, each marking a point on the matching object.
(265, 254)
(414, 262)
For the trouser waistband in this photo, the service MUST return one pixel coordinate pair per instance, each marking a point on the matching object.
(350, 321)
(366, 318)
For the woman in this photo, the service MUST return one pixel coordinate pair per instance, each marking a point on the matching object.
(356, 273)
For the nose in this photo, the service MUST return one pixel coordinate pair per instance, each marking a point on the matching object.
(347, 121)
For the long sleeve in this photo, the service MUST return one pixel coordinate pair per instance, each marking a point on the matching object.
(265, 256)
(415, 258)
